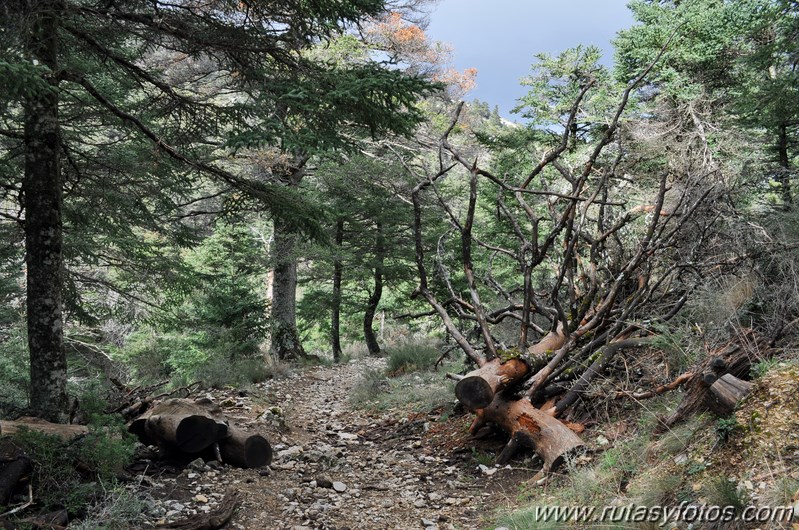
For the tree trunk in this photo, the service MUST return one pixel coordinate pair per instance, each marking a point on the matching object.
(335, 325)
(377, 293)
(529, 427)
(784, 177)
(478, 388)
(42, 190)
(732, 359)
(286, 343)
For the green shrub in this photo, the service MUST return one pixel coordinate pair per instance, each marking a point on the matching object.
(371, 384)
(219, 372)
(411, 357)
(726, 427)
(68, 473)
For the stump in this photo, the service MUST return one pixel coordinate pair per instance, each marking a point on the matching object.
(727, 392)
(478, 388)
(529, 427)
(734, 358)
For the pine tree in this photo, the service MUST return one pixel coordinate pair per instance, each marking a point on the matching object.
(89, 79)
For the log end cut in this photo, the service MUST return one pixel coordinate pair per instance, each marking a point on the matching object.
(474, 392)
(245, 450)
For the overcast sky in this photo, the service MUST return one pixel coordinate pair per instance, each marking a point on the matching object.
(500, 37)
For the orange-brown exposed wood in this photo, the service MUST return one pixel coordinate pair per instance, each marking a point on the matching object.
(529, 427)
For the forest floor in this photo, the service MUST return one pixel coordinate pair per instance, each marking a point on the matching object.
(340, 464)
(337, 466)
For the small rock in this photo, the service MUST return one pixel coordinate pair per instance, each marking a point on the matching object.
(419, 504)
(339, 487)
(200, 498)
(487, 470)
(323, 481)
(265, 472)
(197, 464)
(428, 523)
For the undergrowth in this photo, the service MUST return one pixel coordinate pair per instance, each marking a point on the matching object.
(409, 381)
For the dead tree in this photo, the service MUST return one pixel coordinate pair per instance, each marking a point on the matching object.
(596, 273)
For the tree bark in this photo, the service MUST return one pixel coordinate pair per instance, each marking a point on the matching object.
(335, 325)
(286, 343)
(736, 360)
(377, 293)
(529, 427)
(10, 475)
(42, 190)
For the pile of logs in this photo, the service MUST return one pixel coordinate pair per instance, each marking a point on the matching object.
(198, 428)
(716, 384)
(181, 428)
(488, 391)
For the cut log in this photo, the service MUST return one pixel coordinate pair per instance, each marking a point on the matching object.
(727, 392)
(182, 424)
(10, 475)
(478, 388)
(529, 427)
(64, 431)
(190, 433)
(245, 450)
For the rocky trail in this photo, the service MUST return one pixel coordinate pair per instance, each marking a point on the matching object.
(336, 467)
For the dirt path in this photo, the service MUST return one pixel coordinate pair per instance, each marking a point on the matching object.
(336, 468)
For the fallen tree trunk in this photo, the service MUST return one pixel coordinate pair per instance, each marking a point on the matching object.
(245, 450)
(180, 424)
(61, 430)
(182, 427)
(528, 427)
(478, 388)
(727, 392)
(603, 357)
